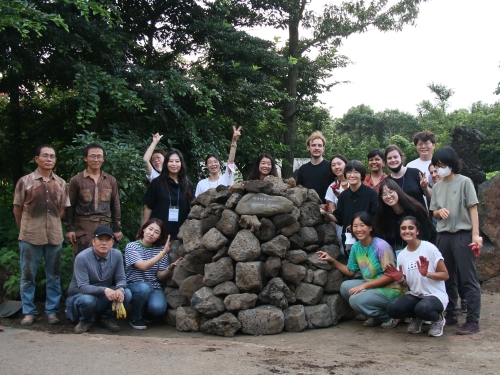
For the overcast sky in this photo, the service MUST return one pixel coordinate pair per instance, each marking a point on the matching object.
(455, 43)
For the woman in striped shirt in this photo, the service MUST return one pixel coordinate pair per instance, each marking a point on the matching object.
(147, 263)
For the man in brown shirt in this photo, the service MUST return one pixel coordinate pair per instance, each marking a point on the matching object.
(94, 199)
(39, 202)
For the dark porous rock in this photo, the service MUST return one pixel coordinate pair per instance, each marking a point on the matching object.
(466, 142)
(206, 198)
(295, 318)
(309, 278)
(205, 302)
(225, 325)
(262, 320)
(327, 234)
(296, 195)
(308, 294)
(313, 197)
(228, 223)
(237, 188)
(245, 247)
(233, 200)
(258, 186)
(276, 247)
(488, 264)
(267, 230)
(264, 205)
(240, 301)
(489, 209)
(218, 272)
(320, 277)
(222, 196)
(272, 267)
(176, 251)
(191, 285)
(290, 181)
(295, 213)
(310, 215)
(250, 276)
(213, 209)
(492, 285)
(332, 250)
(293, 273)
(283, 220)
(334, 280)
(208, 223)
(175, 298)
(309, 235)
(220, 254)
(213, 240)
(318, 316)
(195, 262)
(339, 307)
(296, 241)
(180, 274)
(296, 256)
(195, 212)
(226, 288)
(250, 222)
(313, 259)
(171, 317)
(278, 186)
(277, 293)
(221, 187)
(187, 319)
(290, 230)
(191, 234)
(310, 248)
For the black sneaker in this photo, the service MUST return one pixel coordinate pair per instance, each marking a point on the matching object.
(82, 327)
(109, 324)
(137, 324)
(468, 328)
(450, 319)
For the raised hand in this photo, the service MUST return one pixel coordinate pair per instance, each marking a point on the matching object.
(394, 272)
(236, 133)
(423, 265)
(156, 138)
(424, 182)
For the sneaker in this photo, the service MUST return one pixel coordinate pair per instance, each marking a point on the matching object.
(371, 322)
(82, 327)
(415, 326)
(137, 324)
(360, 317)
(110, 325)
(392, 323)
(468, 328)
(463, 306)
(451, 319)
(437, 327)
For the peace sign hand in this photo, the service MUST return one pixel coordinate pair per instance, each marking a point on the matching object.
(424, 182)
(236, 133)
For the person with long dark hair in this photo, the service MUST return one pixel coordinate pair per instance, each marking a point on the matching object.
(422, 270)
(369, 256)
(393, 205)
(264, 166)
(377, 175)
(169, 195)
(213, 164)
(147, 262)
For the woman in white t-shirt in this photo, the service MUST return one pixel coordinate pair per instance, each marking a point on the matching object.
(422, 269)
(213, 163)
(154, 158)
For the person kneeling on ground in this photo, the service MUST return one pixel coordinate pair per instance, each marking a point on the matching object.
(422, 269)
(370, 255)
(91, 293)
(147, 262)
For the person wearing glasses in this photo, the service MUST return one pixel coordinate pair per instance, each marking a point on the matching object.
(39, 202)
(94, 200)
(425, 143)
(154, 158)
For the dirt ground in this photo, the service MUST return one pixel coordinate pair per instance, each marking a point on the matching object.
(348, 348)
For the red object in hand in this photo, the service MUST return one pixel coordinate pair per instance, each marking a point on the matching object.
(326, 208)
(475, 248)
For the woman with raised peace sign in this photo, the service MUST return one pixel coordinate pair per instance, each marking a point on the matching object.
(213, 164)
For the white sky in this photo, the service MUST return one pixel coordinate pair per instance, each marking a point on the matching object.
(455, 43)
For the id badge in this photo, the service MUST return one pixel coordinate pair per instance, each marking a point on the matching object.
(173, 213)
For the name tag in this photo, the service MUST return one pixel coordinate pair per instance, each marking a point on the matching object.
(173, 213)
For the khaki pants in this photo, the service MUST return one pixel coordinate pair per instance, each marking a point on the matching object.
(85, 227)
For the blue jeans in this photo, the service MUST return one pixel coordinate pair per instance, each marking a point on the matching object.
(370, 303)
(30, 256)
(89, 308)
(143, 295)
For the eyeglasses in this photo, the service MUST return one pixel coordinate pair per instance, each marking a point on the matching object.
(157, 158)
(420, 144)
(95, 157)
(48, 156)
(210, 163)
(353, 172)
(389, 193)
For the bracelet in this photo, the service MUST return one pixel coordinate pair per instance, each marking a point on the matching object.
(401, 280)
(233, 145)
(427, 275)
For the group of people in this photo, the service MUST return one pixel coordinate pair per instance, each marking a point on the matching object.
(379, 217)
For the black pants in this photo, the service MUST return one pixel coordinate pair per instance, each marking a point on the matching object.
(410, 306)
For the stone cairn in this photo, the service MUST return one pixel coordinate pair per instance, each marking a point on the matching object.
(250, 262)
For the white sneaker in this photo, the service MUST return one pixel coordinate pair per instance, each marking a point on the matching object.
(437, 327)
(415, 326)
(392, 323)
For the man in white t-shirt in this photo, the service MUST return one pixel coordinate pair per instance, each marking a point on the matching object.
(425, 142)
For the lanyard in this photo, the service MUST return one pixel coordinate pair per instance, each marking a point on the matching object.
(178, 197)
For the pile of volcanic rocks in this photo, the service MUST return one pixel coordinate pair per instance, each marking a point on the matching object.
(250, 262)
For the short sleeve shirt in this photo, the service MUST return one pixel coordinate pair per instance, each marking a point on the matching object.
(136, 251)
(226, 179)
(153, 175)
